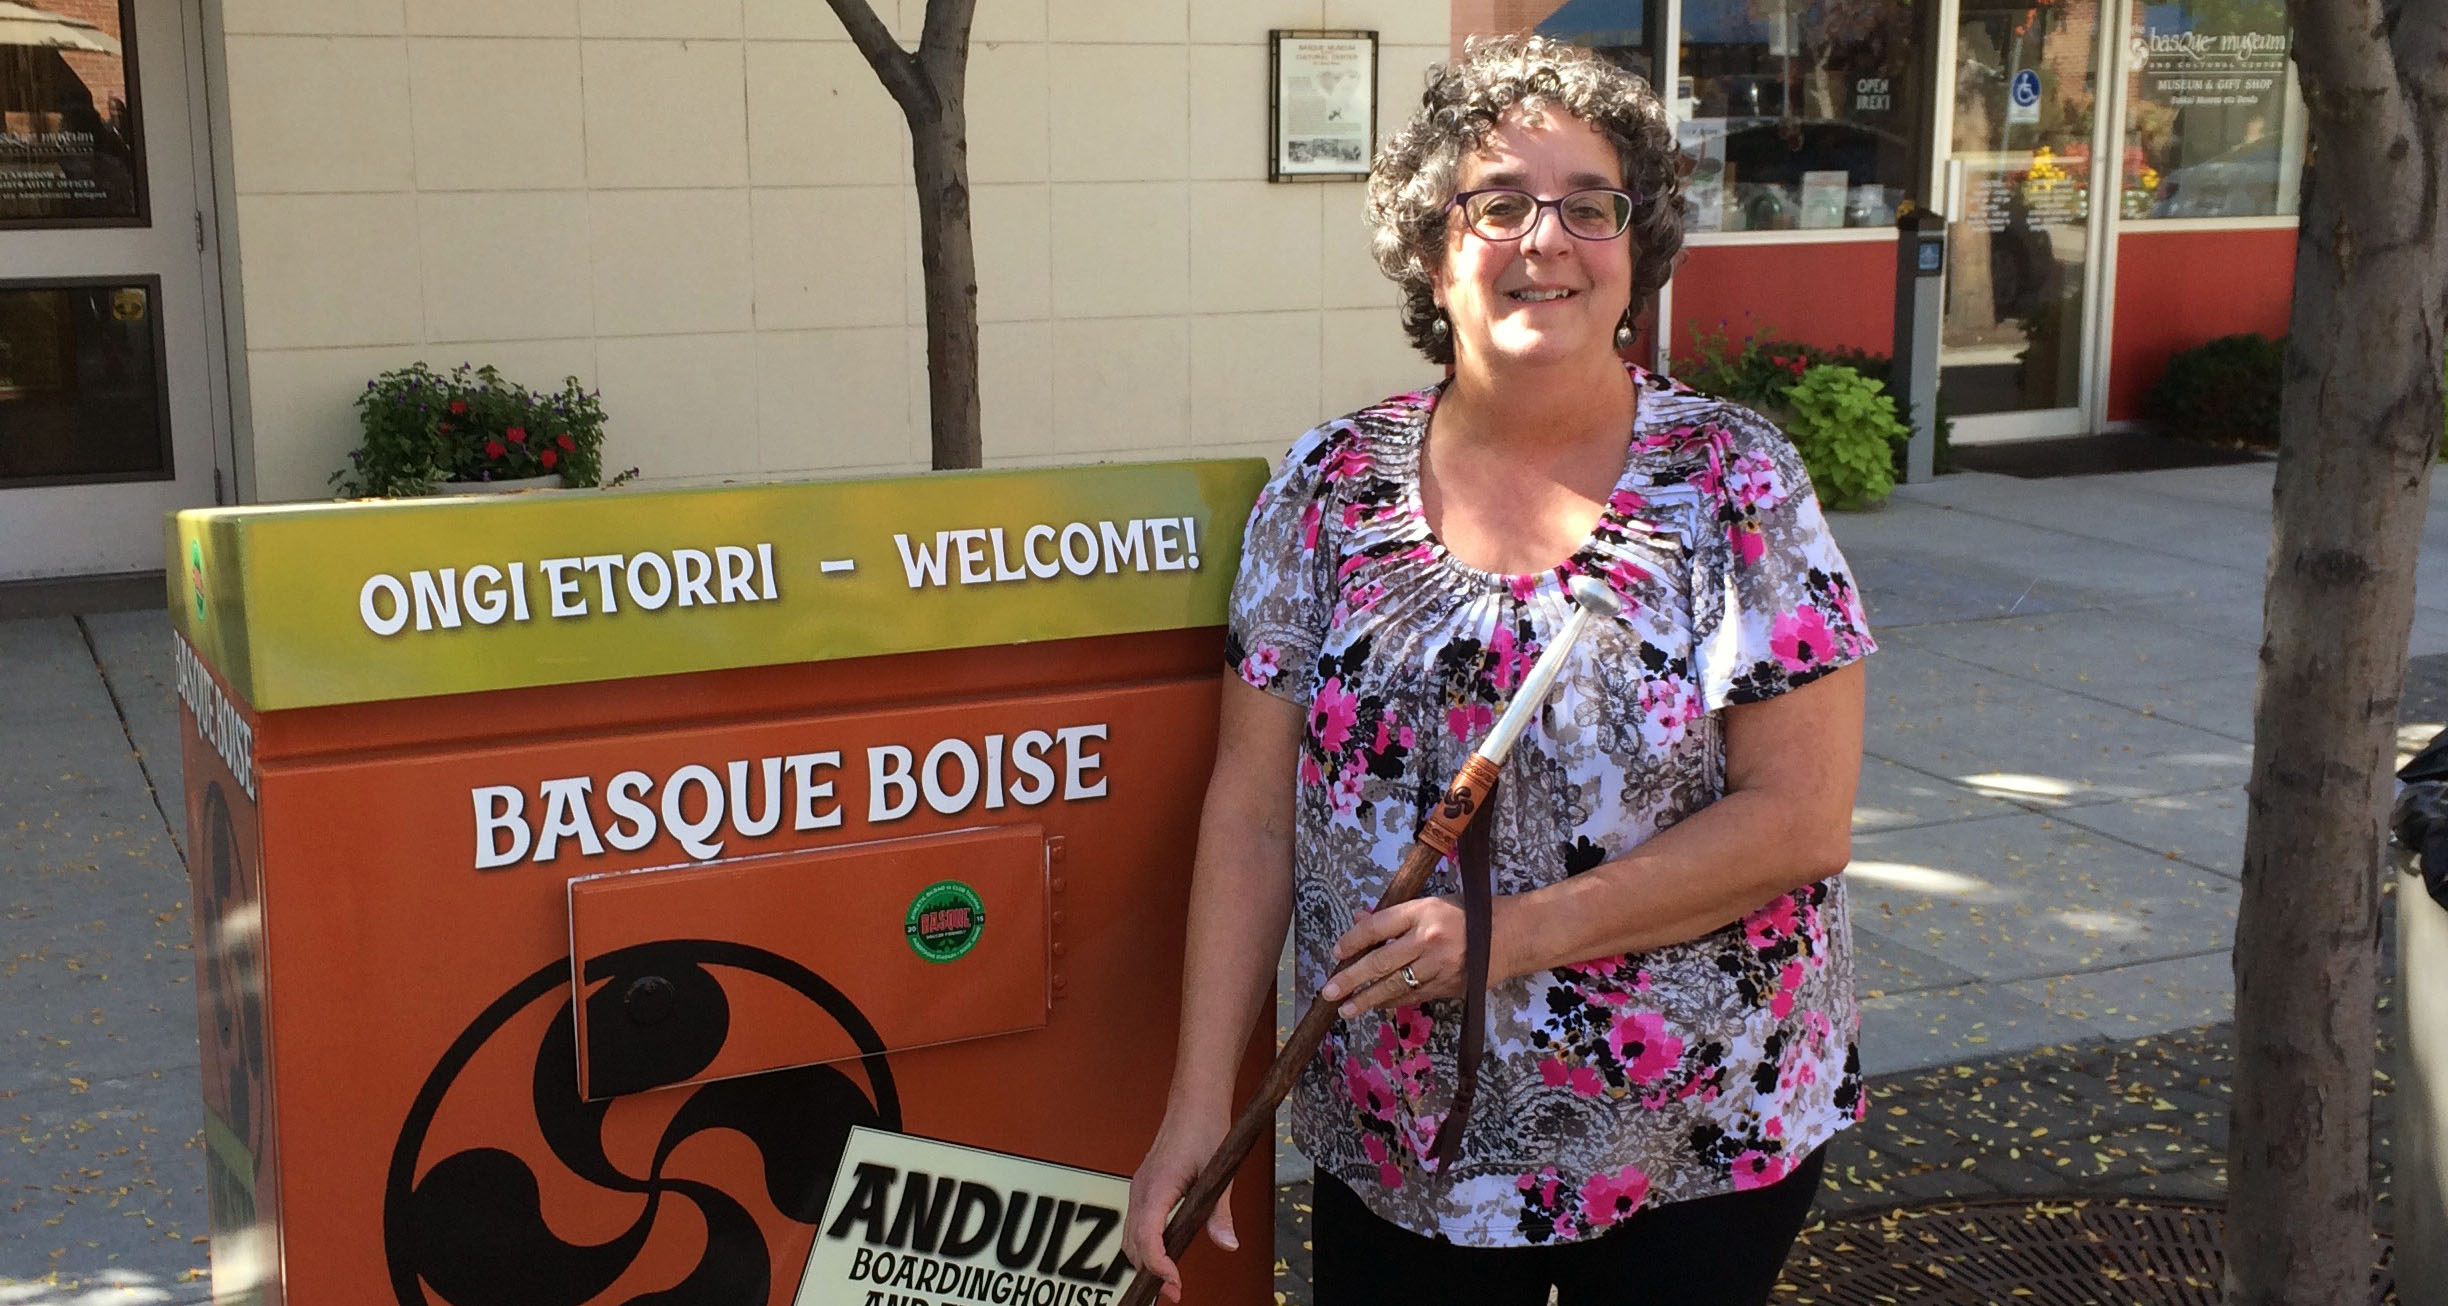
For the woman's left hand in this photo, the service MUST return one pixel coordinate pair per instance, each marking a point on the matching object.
(1424, 936)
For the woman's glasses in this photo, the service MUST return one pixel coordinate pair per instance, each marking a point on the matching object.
(1502, 213)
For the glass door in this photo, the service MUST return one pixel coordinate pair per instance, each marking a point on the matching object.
(2020, 155)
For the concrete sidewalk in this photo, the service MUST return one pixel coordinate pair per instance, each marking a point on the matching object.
(2049, 833)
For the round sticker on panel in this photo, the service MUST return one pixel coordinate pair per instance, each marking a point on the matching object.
(945, 920)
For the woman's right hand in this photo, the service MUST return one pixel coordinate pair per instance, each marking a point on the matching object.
(1172, 1163)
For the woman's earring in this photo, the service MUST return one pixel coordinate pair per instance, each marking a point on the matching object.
(1623, 335)
(1438, 327)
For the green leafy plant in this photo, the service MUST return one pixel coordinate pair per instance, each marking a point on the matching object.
(1844, 425)
(2225, 392)
(1761, 371)
(423, 428)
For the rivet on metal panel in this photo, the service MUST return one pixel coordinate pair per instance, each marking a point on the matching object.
(1054, 847)
(649, 1000)
(1059, 984)
(1058, 884)
(1058, 950)
(1058, 918)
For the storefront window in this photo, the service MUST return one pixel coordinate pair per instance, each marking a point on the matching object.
(81, 383)
(1799, 112)
(2210, 127)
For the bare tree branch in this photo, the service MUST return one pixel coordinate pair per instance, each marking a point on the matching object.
(893, 65)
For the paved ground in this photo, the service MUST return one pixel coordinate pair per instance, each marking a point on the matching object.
(2048, 837)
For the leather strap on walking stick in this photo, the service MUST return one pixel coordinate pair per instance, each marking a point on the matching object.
(1478, 909)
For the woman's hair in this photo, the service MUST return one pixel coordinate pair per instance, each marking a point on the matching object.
(1415, 176)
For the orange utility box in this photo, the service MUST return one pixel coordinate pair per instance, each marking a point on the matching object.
(578, 875)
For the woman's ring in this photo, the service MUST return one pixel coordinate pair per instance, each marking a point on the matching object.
(1409, 978)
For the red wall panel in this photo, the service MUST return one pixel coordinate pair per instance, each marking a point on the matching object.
(2176, 289)
(1837, 294)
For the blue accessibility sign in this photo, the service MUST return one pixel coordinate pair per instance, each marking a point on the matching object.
(2026, 89)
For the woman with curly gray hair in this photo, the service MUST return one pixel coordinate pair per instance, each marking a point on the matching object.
(1648, 991)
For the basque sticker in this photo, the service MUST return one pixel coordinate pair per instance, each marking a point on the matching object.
(945, 920)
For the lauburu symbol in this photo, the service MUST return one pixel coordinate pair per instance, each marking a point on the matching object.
(470, 1228)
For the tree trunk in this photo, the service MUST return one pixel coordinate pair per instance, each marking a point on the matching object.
(2360, 426)
(930, 88)
(941, 155)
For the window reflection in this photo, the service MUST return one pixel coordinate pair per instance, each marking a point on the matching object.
(1800, 111)
(70, 150)
(81, 384)
(2210, 130)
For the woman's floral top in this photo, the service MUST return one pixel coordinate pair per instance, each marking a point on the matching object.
(1696, 1069)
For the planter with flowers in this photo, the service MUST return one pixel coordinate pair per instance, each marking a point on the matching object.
(471, 431)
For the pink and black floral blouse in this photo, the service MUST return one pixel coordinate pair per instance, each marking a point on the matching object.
(1697, 1069)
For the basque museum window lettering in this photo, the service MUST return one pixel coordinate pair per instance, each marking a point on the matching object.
(2209, 131)
(71, 151)
(1798, 112)
(81, 382)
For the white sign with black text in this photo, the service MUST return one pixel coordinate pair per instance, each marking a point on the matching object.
(915, 1222)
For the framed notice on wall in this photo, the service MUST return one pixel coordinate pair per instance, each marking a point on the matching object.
(71, 148)
(1322, 102)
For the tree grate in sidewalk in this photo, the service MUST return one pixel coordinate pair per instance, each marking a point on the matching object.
(2019, 1252)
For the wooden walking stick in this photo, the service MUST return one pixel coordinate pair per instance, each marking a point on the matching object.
(1437, 837)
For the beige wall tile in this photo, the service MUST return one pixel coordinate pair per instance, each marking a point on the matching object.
(303, 403)
(830, 257)
(1396, 22)
(666, 113)
(1247, 22)
(670, 262)
(497, 114)
(1007, 102)
(329, 270)
(710, 19)
(1254, 379)
(1012, 230)
(1121, 249)
(313, 113)
(1228, 111)
(680, 406)
(1401, 73)
(817, 116)
(540, 365)
(1119, 112)
(505, 265)
(828, 400)
(1122, 384)
(1253, 246)
(1142, 21)
(312, 17)
(1016, 389)
(791, 20)
(1347, 271)
(493, 17)
(1007, 20)
(1366, 358)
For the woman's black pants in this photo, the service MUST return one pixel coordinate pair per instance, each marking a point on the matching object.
(1711, 1251)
